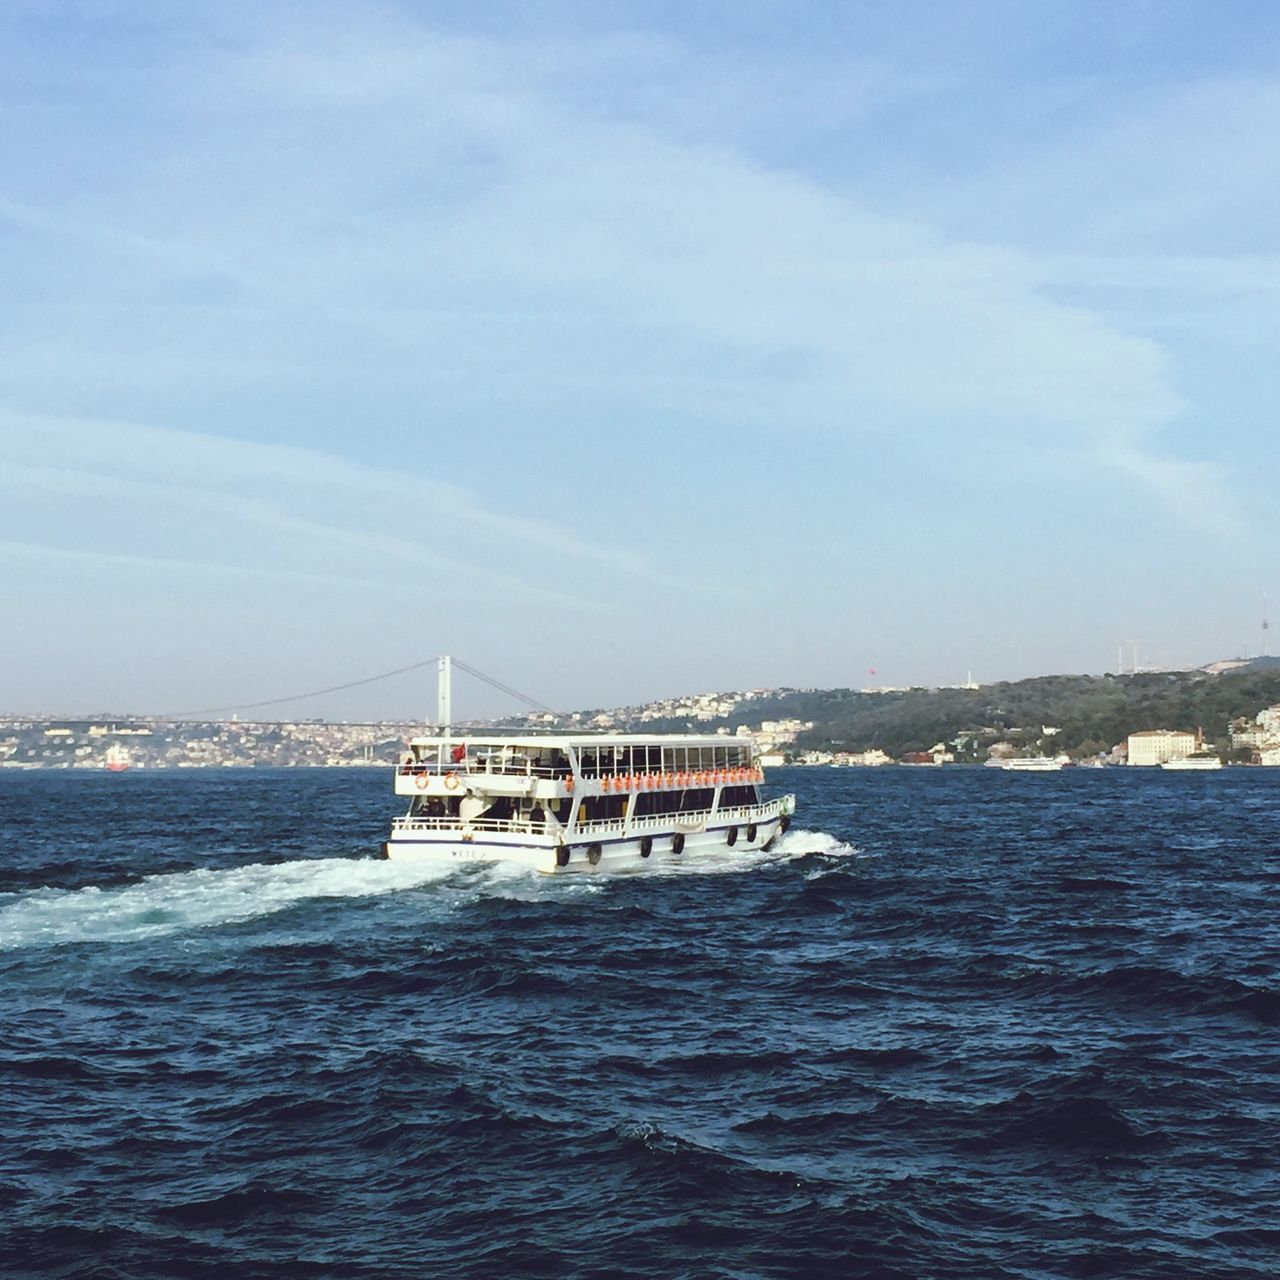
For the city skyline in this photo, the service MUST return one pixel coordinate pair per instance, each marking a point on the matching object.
(629, 350)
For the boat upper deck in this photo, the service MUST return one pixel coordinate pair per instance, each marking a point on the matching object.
(576, 741)
(584, 756)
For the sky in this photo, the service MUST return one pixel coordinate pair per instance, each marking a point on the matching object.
(626, 350)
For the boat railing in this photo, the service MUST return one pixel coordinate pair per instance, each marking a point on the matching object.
(448, 823)
(689, 819)
(476, 769)
(684, 819)
(654, 780)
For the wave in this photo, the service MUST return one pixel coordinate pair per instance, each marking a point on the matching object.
(1085, 1124)
(793, 845)
(1203, 995)
(173, 903)
(231, 1207)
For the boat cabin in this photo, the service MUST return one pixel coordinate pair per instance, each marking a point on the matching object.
(576, 784)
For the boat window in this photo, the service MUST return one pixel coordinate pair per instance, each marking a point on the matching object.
(694, 799)
(602, 808)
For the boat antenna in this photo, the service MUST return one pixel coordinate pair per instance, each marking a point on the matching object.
(444, 695)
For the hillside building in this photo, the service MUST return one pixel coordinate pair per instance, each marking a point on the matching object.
(1155, 746)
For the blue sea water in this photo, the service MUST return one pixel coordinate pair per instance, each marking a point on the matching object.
(961, 1023)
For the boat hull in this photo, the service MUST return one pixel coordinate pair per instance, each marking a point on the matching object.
(585, 854)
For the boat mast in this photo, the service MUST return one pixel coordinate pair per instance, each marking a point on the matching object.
(444, 696)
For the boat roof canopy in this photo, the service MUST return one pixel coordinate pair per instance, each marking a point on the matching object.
(576, 740)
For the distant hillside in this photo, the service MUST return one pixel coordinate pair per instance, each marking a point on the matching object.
(1091, 713)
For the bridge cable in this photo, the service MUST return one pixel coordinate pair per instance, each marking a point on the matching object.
(300, 697)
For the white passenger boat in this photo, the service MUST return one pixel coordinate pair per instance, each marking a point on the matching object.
(1201, 760)
(590, 802)
(1033, 764)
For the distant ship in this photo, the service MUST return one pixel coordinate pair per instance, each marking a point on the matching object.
(1033, 764)
(117, 758)
(1201, 760)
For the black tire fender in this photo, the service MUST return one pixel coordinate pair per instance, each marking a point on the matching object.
(646, 846)
(593, 854)
(562, 855)
(731, 837)
(677, 842)
(751, 832)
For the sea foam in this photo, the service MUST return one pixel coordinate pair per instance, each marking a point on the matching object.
(177, 902)
(164, 904)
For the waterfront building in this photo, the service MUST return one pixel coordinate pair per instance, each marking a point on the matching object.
(1156, 746)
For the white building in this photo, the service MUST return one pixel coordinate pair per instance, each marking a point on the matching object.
(1155, 746)
(1244, 734)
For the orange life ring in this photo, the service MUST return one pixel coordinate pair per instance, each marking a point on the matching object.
(451, 782)
(422, 782)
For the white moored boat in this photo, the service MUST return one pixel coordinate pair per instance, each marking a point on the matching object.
(1200, 760)
(1033, 764)
(582, 803)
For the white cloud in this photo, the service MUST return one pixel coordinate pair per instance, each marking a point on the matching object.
(298, 509)
(431, 195)
(490, 294)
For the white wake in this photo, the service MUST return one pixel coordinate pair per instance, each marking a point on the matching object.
(180, 901)
(172, 903)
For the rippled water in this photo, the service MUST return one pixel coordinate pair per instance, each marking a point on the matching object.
(963, 1023)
